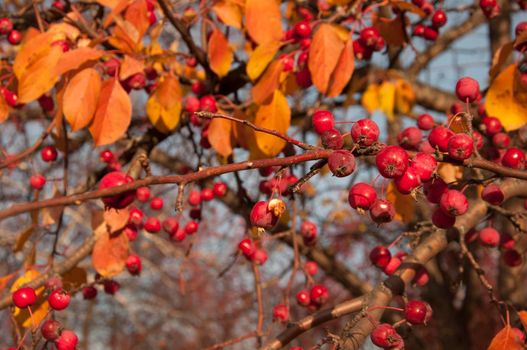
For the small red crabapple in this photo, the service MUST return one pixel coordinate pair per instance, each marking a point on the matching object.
(491, 125)
(507, 241)
(107, 156)
(208, 103)
(143, 194)
(487, 5)
(501, 140)
(259, 257)
(513, 158)
(50, 329)
(170, 225)
(262, 216)
(467, 89)
(425, 147)
(407, 182)
(430, 33)
(460, 146)
(365, 132)
(152, 225)
(425, 122)
(512, 258)
(417, 312)
(195, 213)
(519, 334)
(368, 36)
(179, 235)
(434, 189)
(115, 179)
(111, 287)
(393, 265)
(24, 297)
(360, 50)
(280, 313)
(303, 78)
(311, 268)
(191, 227)
(323, 121)
(14, 37)
(194, 198)
(247, 247)
(421, 277)
(6, 25)
(361, 196)
(410, 137)
(492, 194)
(89, 293)
(136, 216)
(439, 137)
(130, 231)
(219, 189)
(207, 194)
(442, 219)
(418, 30)
(37, 181)
(67, 340)
(287, 63)
(133, 264)
(10, 97)
(386, 337)
(382, 211)
(380, 256)
(439, 19)
(392, 161)
(341, 163)
(156, 203)
(453, 202)
(308, 230)
(424, 165)
(319, 294)
(48, 154)
(59, 299)
(489, 237)
(303, 298)
(46, 103)
(302, 30)
(332, 139)
(59, 5)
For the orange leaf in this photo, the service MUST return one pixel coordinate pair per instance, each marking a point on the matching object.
(220, 53)
(164, 105)
(110, 253)
(260, 58)
(130, 66)
(4, 109)
(506, 339)
(324, 55)
(268, 83)
(343, 71)
(275, 116)
(220, 136)
(523, 318)
(39, 309)
(75, 58)
(39, 76)
(116, 219)
(137, 15)
(5, 280)
(263, 20)
(80, 98)
(113, 113)
(31, 50)
(392, 30)
(404, 205)
(228, 12)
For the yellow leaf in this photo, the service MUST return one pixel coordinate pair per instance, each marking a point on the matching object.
(324, 53)
(343, 71)
(502, 100)
(404, 204)
(261, 57)
(523, 318)
(39, 310)
(263, 90)
(220, 136)
(275, 116)
(219, 53)
(370, 98)
(130, 66)
(73, 59)
(80, 98)
(506, 339)
(387, 99)
(404, 96)
(449, 172)
(164, 105)
(39, 76)
(112, 115)
(228, 12)
(263, 20)
(110, 253)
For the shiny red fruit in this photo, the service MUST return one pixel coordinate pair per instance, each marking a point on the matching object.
(115, 179)
(332, 139)
(152, 225)
(341, 163)
(417, 312)
(66, 341)
(247, 247)
(107, 156)
(392, 161)
(467, 89)
(439, 19)
(303, 298)
(410, 137)
(386, 337)
(365, 132)
(50, 329)
(460, 146)
(302, 29)
(489, 237)
(491, 125)
(14, 37)
(311, 268)
(259, 257)
(280, 313)
(380, 256)
(261, 216)
(424, 165)
(143, 194)
(323, 121)
(443, 220)
(382, 211)
(409, 181)
(37, 181)
(208, 103)
(133, 264)
(425, 122)
(493, 194)
(156, 203)
(361, 196)
(48, 153)
(59, 299)
(170, 225)
(453, 202)
(24, 297)
(319, 294)
(439, 137)
(6, 26)
(513, 158)
(219, 189)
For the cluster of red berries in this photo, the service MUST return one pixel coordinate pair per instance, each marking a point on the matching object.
(381, 258)
(369, 41)
(108, 157)
(206, 103)
(48, 154)
(14, 37)
(313, 298)
(252, 252)
(147, 79)
(437, 20)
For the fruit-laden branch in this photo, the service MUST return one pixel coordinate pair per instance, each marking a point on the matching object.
(396, 284)
(444, 41)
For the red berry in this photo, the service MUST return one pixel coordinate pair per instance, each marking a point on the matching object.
(179, 235)
(50, 329)
(111, 287)
(89, 293)
(425, 122)
(302, 30)
(111, 67)
(311, 268)
(194, 198)
(303, 298)
(107, 156)
(467, 89)
(6, 26)
(418, 3)
(14, 37)
(392, 266)
(341, 163)
(424, 165)
(487, 5)
(439, 137)
(207, 194)
(24, 297)
(380, 256)
(247, 247)
(439, 19)
(410, 137)
(332, 139)
(409, 181)
(492, 194)
(59, 299)
(431, 33)
(421, 277)
(287, 63)
(382, 211)
(419, 30)
(303, 78)
(361, 196)
(37, 181)
(392, 161)
(10, 97)
(368, 36)
(501, 140)
(143, 194)
(46, 103)
(489, 237)
(512, 258)
(152, 225)
(208, 103)
(191, 227)
(360, 50)
(133, 264)
(170, 225)
(507, 241)
(491, 125)
(386, 337)
(48, 154)
(259, 257)
(453, 202)
(115, 179)
(302, 58)
(460, 146)
(478, 139)
(136, 216)
(323, 121)
(442, 219)
(58, 5)
(434, 190)
(156, 203)
(191, 104)
(425, 147)
(262, 216)
(513, 158)
(280, 313)
(219, 189)
(318, 294)
(67, 340)
(417, 312)
(308, 230)
(136, 81)
(365, 132)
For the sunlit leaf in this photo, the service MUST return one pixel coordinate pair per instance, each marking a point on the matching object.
(276, 115)
(130, 66)
(506, 339)
(80, 98)
(73, 59)
(404, 96)
(261, 57)
(228, 12)
(263, 20)
(164, 105)
(263, 90)
(343, 71)
(110, 252)
(220, 136)
(220, 53)
(404, 204)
